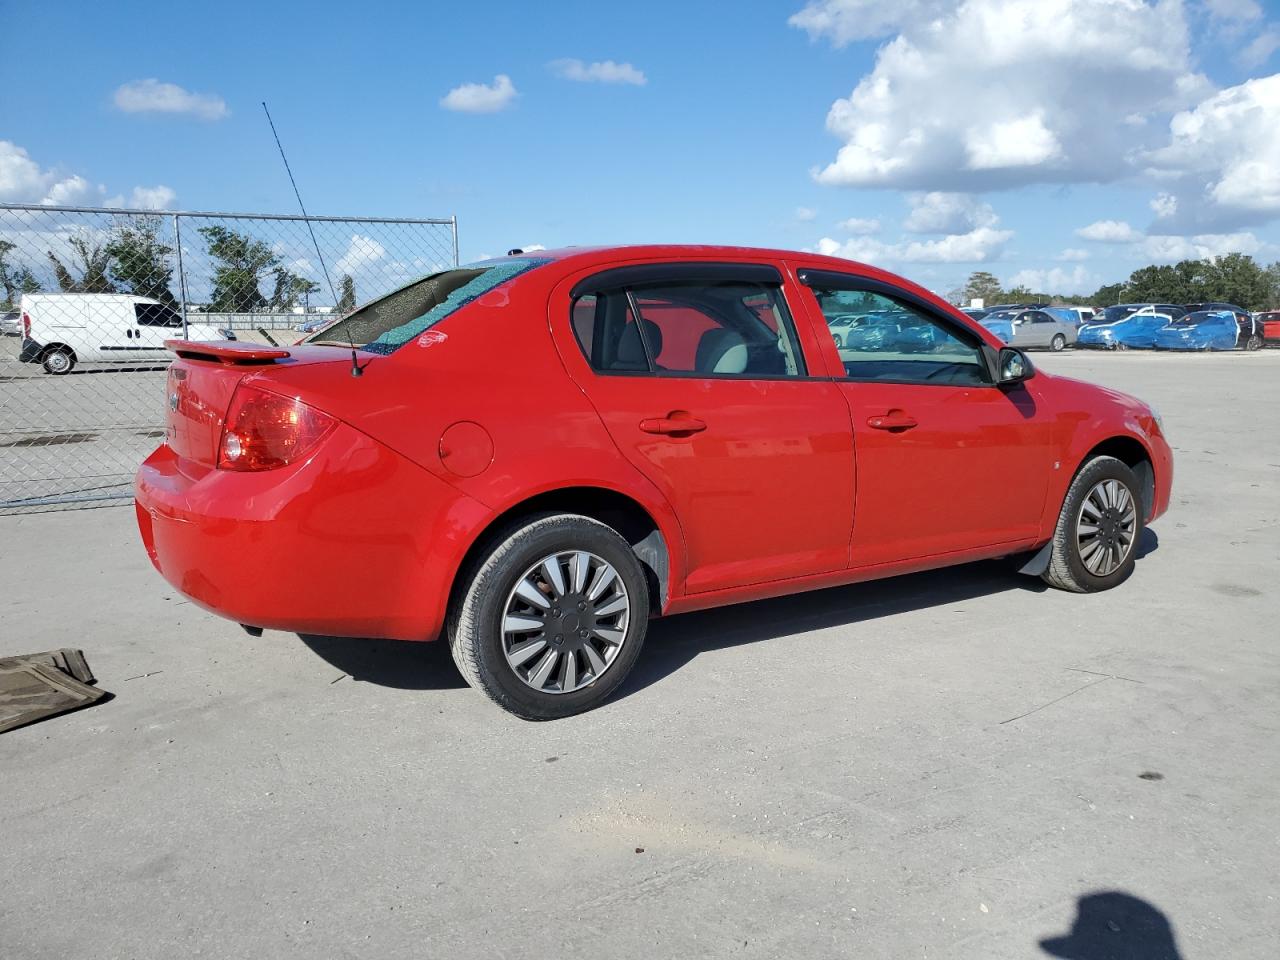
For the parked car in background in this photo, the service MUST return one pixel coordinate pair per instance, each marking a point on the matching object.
(60, 330)
(425, 498)
(1083, 314)
(315, 323)
(1252, 333)
(975, 313)
(1270, 320)
(1031, 329)
(1065, 314)
(1201, 330)
(10, 323)
(1137, 331)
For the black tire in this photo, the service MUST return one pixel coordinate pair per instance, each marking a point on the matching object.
(475, 627)
(58, 361)
(1122, 346)
(1059, 342)
(1253, 343)
(1067, 569)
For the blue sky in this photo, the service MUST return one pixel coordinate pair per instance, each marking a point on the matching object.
(984, 135)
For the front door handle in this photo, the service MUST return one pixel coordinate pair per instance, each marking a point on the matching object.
(677, 423)
(893, 420)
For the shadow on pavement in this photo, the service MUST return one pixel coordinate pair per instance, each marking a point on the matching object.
(672, 643)
(1111, 925)
(390, 663)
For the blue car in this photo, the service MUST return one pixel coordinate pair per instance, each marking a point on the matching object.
(1203, 330)
(1134, 332)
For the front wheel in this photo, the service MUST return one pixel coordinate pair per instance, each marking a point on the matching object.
(1098, 529)
(1057, 343)
(58, 361)
(551, 619)
(1253, 343)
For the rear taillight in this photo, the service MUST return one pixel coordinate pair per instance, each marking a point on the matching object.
(266, 430)
(26, 324)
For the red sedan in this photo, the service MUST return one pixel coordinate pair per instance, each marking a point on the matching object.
(1270, 321)
(532, 456)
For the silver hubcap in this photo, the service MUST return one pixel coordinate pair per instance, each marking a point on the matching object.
(58, 361)
(1105, 527)
(565, 622)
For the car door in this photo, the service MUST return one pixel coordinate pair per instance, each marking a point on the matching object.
(109, 325)
(947, 461)
(698, 373)
(153, 324)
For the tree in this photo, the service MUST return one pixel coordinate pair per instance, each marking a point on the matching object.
(982, 286)
(242, 263)
(289, 289)
(14, 282)
(347, 301)
(1273, 280)
(140, 260)
(1236, 278)
(92, 265)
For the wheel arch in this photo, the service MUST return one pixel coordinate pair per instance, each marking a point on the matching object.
(1134, 454)
(635, 523)
(48, 348)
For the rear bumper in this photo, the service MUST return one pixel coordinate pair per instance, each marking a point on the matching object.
(355, 541)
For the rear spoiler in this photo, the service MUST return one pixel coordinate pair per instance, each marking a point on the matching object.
(231, 352)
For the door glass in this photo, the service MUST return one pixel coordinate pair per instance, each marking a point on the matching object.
(733, 329)
(156, 315)
(880, 337)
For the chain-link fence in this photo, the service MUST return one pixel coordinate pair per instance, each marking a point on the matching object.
(90, 295)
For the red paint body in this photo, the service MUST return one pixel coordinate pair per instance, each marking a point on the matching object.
(789, 487)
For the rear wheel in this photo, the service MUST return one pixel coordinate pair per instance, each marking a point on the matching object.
(551, 619)
(58, 361)
(1098, 529)
(1253, 343)
(1057, 343)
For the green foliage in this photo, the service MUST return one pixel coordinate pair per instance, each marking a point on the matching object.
(90, 259)
(242, 262)
(982, 286)
(1232, 278)
(140, 260)
(289, 289)
(347, 299)
(14, 281)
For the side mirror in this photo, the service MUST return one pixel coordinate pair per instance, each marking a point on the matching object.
(1013, 366)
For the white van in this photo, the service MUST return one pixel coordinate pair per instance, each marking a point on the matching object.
(60, 330)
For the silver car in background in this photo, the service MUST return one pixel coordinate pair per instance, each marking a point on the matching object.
(10, 323)
(1031, 329)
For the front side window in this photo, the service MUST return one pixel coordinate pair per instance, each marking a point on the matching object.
(156, 315)
(893, 339)
(693, 328)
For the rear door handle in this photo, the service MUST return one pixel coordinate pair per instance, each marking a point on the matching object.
(675, 424)
(893, 420)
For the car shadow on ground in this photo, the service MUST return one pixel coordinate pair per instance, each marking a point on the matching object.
(673, 642)
(1112, 925)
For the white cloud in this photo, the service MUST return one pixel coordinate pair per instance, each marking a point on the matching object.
(158, 197)
(976, 246)
(22, 180)
(362, 253)
(1234, 9)
(1055, 280)
(153, 96)
(1072, 255)
(860, 225)
(600, 71)
(938, 212)
(1165, 205)
(1229, 148)
(1109, 231)
(1261, 48)
(990, 94)
(532, 247)
(805, 214)
(1170, 249)
(844, 21)
(481, 97)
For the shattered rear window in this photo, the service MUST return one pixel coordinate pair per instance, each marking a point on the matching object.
(385, 325)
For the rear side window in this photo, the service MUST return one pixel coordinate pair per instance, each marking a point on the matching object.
(387, 324)
(700, 328)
